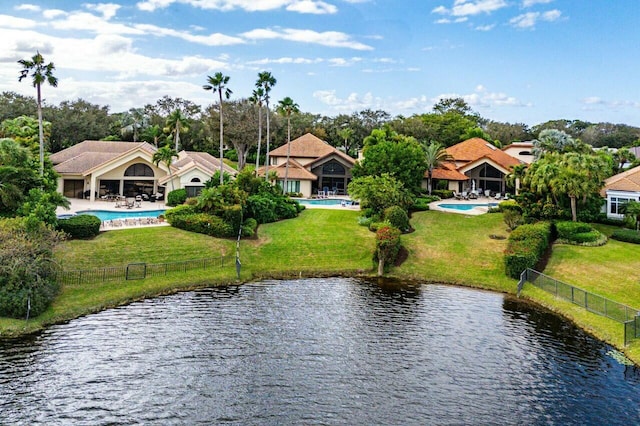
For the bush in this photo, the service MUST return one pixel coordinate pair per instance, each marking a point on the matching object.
(527, 243)
(442, 193)
(203, 223)
(510, 205)
(387, 246)
(586, 237)
(262, 208)
(568, 229)
(364, 221)
(249, 227)
(286, 208)
(179, 211)
(375, 226)
(421, 204)
(512, 218)
(176, 197)
(603, 219)
(626, 235)
(80, 226)
(397, 217)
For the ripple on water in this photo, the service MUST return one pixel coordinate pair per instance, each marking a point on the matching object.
(317, 351)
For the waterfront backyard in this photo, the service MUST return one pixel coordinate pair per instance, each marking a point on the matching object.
(444, 248)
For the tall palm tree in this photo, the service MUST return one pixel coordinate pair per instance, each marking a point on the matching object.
(176, 123)
(435, 155)
(287, 107)
(218, 83)
(346, 133)
(266, 81)
(40, 73)
(256, 98)
(165, 155)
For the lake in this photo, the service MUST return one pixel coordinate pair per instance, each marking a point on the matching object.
(317, 351)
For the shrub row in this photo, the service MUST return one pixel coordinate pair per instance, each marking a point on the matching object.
(442, 193)
(80, 226)
(626, 235)
(577, 232)
(527, 244)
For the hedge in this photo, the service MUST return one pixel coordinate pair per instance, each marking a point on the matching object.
(567, 229)
(80, 226)
(177, 197)
(626, 235)
(202, 223)
(527, 244)
(509, 205)
(442, 193)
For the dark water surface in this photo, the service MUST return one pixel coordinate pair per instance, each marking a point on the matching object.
(317, 351)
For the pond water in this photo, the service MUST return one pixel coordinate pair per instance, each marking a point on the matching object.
(317, 351)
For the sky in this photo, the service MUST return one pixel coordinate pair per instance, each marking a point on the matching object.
(516, 61)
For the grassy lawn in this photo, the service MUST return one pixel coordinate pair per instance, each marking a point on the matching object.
(445, 247)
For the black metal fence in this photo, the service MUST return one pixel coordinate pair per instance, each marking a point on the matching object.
(628, 316)
(136, 271)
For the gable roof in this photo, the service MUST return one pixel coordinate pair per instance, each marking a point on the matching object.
(206, 161)
(309, 146)
(625, 181)
(296, 171)
(87, 155)
(446, 171)
(475, 148)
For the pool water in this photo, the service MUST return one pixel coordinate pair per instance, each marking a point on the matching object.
(124, 214)
(465, 207)
(324, 201)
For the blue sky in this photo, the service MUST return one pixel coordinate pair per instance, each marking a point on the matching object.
(523, 61)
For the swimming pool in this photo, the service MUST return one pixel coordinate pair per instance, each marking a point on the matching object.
(466, 207)
(324, 201)
(124, 214)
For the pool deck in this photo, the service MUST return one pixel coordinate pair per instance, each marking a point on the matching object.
(86, 205)
(473, 212)
(327, 206)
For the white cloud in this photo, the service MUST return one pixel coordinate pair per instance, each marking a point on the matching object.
(471, 7)
(29, 7)
(530, 19)
(326, 38)
(53, 13)
(529, 3)
(482, 98)
(215, 39)
(299, 6)
(7, 21)
(108, 10)
(286, 60)
(485, 27)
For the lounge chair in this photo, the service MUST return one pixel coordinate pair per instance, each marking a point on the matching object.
(465, 195)
(457, 196)
(498, 196)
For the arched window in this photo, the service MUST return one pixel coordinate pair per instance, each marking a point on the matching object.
(139, 169)
(333, 168)
(525, 153)
(195, 179)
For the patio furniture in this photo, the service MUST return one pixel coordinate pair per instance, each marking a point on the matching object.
(129, 202)
(497, 196)
(465, 195)
(138, 201)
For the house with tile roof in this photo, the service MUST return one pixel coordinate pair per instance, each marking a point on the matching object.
(620, 189)
(314, 166)
(93, 169)
(475, 164)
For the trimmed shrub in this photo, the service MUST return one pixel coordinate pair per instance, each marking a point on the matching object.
(364, 221)
(176, 197)
(420, 205)
(387, 246)
(510, 205)
(203, 223)
(261, 208)
(586, 237)
(375, 226)
(512, 218)
(567, 229)
(178, 211)
(397, 217)
(81, 226)
(249, 227)
(442, 193)
(285, 208)
(626, 235)
(527, 243)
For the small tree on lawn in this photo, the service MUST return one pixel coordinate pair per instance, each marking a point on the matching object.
(632, 211)
(387, 246)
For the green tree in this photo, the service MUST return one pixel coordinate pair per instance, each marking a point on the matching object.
(345, 133)
(165, 155)
(24, 130)
(14, 105)
(632, 211)
(153, 134)
(40, 73)
(266, 81)
(218, 83)
(553, 140)
(79, 120)
(379, 192)
(286, 107)
(435, 155)
(400, 156)
(177, 123)
(132, 122)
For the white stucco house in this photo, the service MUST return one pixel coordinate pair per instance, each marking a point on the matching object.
(94, 169)
(619, 190)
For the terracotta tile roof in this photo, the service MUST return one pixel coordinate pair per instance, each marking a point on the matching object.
(625, 181)
(296, 171)
(447, 171)
(476, 148)
(309, 146)
(83, 157)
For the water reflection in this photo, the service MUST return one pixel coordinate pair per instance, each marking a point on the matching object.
(322, 351)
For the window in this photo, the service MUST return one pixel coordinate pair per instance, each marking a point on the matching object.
(489, 171)
(617, 205)
(139, 169)
(333, 168)
(292, 185)
(195, 179)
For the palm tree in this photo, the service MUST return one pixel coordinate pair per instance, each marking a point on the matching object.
(152, 134)
(218, 83)
(41, 73)
(266, 81)
(256, 98)
(176, 123)
(132, 121)
(435, 155)
(632, 211)
(287, 107)
(165, 155)
(346, 134)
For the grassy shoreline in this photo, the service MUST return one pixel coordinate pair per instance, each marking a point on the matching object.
(444, 248)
